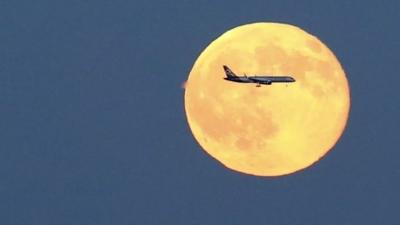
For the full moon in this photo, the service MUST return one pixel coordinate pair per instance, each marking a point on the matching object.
(271, 130)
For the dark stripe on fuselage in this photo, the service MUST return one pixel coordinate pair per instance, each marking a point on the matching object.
(239, 79)
(272, 79)
(281, 79)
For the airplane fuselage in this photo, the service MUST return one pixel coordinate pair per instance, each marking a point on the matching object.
(267, 80)
(261, 79)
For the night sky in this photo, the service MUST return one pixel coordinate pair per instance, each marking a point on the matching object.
(93, 128)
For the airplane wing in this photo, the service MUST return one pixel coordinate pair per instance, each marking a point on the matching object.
(259, 78)
(263, 80)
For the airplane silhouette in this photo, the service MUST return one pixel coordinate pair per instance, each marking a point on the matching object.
(258, 79)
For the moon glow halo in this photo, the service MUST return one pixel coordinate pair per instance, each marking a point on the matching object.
(272, 130)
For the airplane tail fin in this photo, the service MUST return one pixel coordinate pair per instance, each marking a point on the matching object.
(229, 72)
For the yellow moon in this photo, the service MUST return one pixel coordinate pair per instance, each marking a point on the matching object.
(270, 130)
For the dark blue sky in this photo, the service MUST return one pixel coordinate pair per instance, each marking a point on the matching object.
(93, 129)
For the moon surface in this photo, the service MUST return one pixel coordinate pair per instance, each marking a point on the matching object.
(271, 130)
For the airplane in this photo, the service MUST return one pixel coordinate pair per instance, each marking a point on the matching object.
(266, 80)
